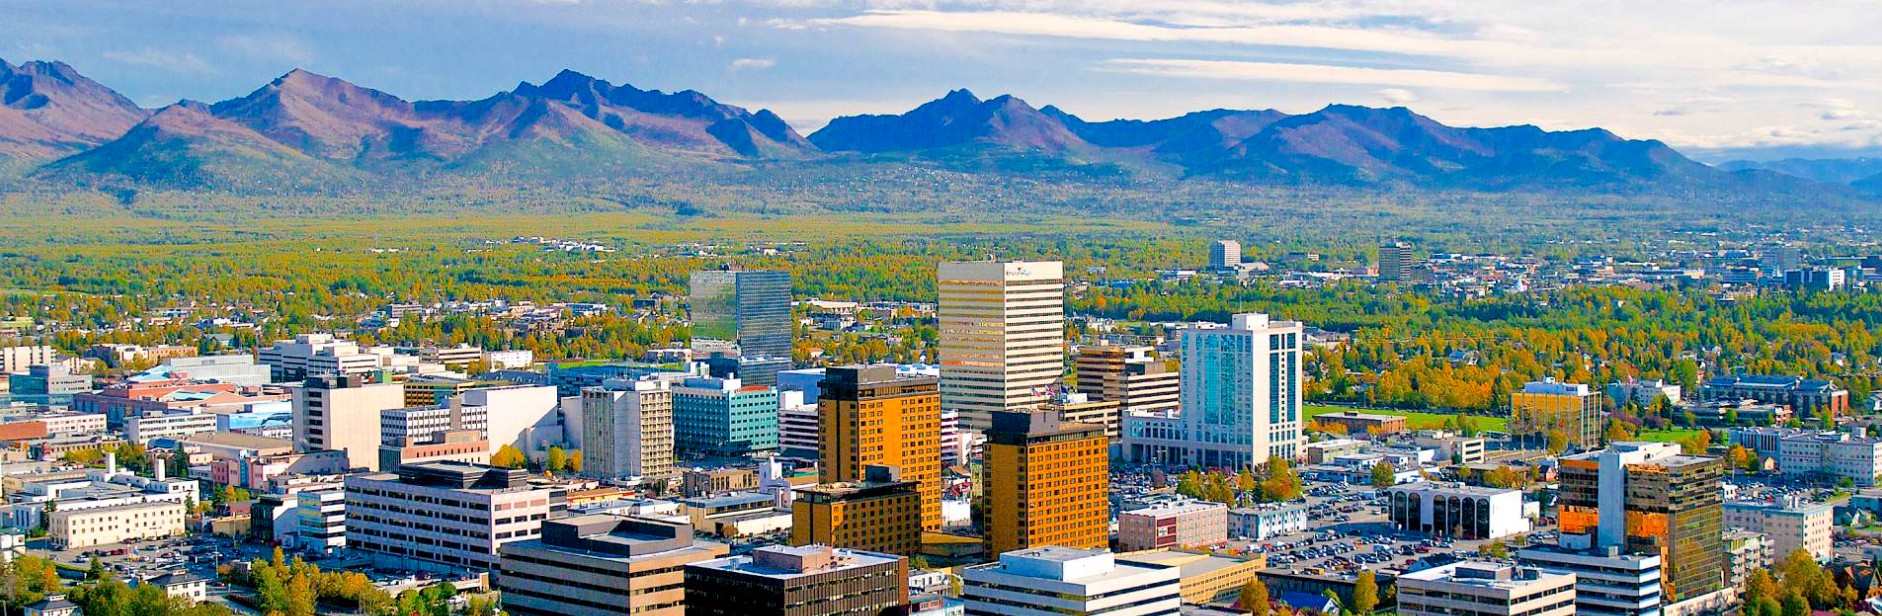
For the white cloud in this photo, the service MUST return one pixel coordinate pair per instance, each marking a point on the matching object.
(1397, 96)
(756, 64)
(1327, 74)
(175, 62)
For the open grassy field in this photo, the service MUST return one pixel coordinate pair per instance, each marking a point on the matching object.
(1669, 435)
(1416, 420)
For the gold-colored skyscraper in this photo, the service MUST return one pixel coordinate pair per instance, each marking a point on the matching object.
(1046, 482)
(869, 415)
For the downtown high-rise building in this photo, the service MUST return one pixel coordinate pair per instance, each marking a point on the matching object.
(749, 308)
(341, 413)
(1047, 483)
(1394, 261)
(1649, 499)
(627, 429)
(1225, 254)
(1241, 391)
(870, 415)
(1002, 336)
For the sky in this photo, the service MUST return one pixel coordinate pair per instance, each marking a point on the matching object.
(1716, 78)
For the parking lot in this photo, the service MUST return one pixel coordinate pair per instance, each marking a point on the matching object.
(1349, 532)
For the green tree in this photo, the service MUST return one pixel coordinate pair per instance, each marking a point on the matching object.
(1795, 605)
(1365, 593)
(556, 459)
(1495, 549)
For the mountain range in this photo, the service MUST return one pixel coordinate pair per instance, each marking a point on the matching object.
(308, 132)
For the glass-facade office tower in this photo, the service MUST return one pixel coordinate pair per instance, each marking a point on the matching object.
(1241, 392)
(1648, 498)
(749, 308)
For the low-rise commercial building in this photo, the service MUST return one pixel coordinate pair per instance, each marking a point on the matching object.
(1206, 577)
(1055, 581)
(83, 528)
(144, 427)
(812, 580)
(1455, 510)
(1267, 521)
(1472, 589)
(1831, 456)
(1608, 582)
(1805, 396)
(596, 565)
(1357, 423)
(1173, 525)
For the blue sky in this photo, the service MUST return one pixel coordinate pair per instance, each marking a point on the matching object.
(1796, 76)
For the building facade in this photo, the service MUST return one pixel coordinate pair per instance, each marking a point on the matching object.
(1648, 498)
(1173, 525)
(812, 580)
(1002, 336)
(83, 528)
(1267, 521)
(880, 514)
(330, 410)
(627, 429)
(871, 415)
(1046, 482)
(1809, 397)
(1056, 581)
(1483, 589)
(1545, 411)
(1608, 581)
(1455, 510)
(1240, 399)
(602, 565)
(749, 308)
(1788, 526)
(724, 417)
(445, 513)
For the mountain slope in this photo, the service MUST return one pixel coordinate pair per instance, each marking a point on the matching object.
(957, 119)
(186, 146)
(1847, 171)
(47, 110)
(685, 120)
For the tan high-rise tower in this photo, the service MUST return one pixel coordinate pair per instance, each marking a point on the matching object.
(1047, 482)
(869, 415)
(1002, 336)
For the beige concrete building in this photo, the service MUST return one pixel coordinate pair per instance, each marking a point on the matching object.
(342, 413)
(1788, 526)
(1486, 589)
(598, 565)
(445, 513)
(104, 525)
(627, 429)
(1002, 336)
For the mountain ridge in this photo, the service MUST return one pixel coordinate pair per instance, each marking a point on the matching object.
(306, 131)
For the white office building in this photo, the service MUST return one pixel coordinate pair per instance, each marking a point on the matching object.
(1831, 456)
(1486, 589)
(320, 519)
(167, 424)
(1002, 336)
(1241, 399)
(1056, 581)
(317, 355)
(525, 416)
(1789, 526)
(1608, 582)
(1456, 510)
(797, 426)
(1267, 521)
